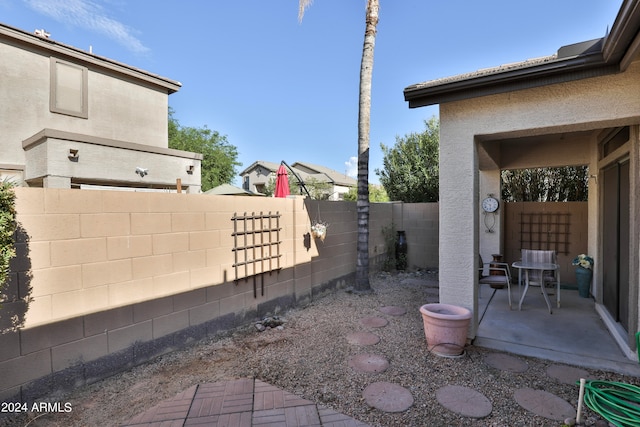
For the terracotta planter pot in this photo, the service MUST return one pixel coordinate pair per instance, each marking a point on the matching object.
(445, 327)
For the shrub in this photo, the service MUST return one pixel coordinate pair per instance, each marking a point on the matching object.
(7, 230)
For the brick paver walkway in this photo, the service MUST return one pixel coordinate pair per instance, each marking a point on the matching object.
(241, 403)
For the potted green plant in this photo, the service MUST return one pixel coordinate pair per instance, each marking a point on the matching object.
(584, 273)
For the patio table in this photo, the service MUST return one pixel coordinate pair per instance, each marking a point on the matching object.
(541, 267)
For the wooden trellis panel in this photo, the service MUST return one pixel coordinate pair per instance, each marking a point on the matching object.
(256, 245)
(545, 231)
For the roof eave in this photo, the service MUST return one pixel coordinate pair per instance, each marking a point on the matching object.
(78, 55)
(557, 71)
(618, 50)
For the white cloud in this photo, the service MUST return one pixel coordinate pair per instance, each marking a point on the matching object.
(352, 167)
(88, 14)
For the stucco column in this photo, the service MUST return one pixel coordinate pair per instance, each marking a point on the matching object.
(458, 217)
(51, 181)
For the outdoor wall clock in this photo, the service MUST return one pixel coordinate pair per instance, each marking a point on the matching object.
(490, 205)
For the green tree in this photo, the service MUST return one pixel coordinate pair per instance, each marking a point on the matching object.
(561, 184)
(219, 157)
(377, 193)
(410, 172)
(317, 189)
(364, 119)
(7, 230)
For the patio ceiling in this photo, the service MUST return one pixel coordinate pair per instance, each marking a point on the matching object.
(519, 152)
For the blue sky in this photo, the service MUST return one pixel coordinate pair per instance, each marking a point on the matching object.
(284, 90)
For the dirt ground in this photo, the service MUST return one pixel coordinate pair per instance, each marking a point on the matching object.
(308, 356)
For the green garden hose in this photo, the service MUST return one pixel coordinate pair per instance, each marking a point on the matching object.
(618, 403)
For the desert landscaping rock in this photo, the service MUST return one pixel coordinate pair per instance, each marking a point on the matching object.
(308, 358)
(362, 338)
(393, 310)
(388, 397)
(464, 401)
(374, 322)
(505, 362)
(544, 404)
(371, 363)
(567, 374)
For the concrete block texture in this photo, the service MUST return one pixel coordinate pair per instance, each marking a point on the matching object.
(47, 336)
(121, 270)
(22, 370)
(122, 338)
(78, 352)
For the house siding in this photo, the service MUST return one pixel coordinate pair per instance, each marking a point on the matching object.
(580, 109)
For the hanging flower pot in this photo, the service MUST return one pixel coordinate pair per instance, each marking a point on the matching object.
(319, 230)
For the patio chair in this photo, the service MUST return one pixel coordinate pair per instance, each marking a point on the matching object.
(537, 278)
(495, 274)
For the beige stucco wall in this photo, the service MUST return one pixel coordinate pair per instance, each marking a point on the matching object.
(106, 162)
(110, 279)
(97, 250)
(126, 122)
(584, 106)
(119, 109)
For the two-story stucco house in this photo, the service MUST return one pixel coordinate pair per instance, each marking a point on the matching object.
(72, 119)
(580, 106)
(257, 176)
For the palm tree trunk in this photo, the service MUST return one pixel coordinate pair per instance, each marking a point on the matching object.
(364, 118)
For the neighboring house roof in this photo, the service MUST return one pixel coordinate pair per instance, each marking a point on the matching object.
(230, 190)
(608, 55)
(87, 58)
(307, 172)
(273, 167)
(316, 171)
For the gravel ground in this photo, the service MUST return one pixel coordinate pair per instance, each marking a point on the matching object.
(308, 357)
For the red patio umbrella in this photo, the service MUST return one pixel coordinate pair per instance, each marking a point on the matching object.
(282, 182)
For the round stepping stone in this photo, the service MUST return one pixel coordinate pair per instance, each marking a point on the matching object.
(544, 404)
(374, 322)
(566, 374)
(504, 362)
(464, 401)
(393, 310)
(388, 397)
(369, 363)
(362, 338)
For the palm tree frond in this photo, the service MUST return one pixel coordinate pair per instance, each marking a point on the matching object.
(302, 6)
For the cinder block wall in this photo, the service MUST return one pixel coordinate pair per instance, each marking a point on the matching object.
(107, 280)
